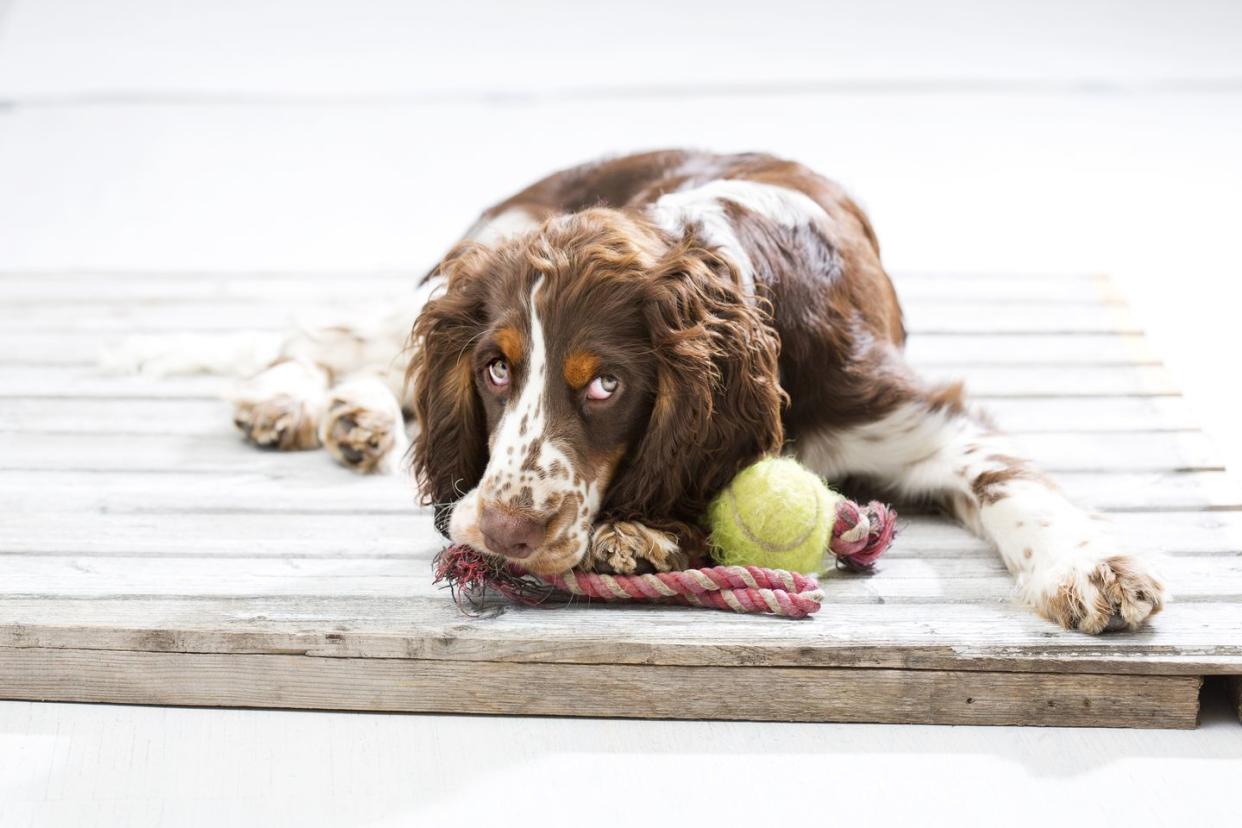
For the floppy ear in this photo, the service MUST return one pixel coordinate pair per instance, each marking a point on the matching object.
(718, 398)
(450, 449)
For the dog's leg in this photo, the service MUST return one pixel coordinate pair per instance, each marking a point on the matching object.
(1065, 564)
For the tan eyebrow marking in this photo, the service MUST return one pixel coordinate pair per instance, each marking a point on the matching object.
(510, 342)
(580, 368)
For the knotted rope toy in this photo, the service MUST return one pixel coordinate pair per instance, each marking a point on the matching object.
(857, 536)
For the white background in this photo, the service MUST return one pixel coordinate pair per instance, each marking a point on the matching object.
(354, 136)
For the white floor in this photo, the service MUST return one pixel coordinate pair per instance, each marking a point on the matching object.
(84, 765)
(242, 136)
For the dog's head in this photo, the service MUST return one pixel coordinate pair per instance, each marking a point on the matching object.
(594, 368)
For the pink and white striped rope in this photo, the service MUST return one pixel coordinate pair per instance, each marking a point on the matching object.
(749, 589)
(737, 588)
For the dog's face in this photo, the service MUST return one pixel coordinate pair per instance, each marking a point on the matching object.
(582, 369)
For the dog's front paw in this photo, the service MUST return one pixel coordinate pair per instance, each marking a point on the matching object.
(282, 422)
(280, 407)
(363, 427)
(627, 548)
(1110, 594)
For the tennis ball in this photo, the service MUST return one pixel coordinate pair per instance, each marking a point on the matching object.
(774, 514)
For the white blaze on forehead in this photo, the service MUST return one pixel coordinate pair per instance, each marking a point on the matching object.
(704, 207)
(523, 419)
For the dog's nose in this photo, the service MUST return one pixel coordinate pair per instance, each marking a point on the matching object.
(510, 534)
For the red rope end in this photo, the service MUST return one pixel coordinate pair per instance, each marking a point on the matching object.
(862, 534)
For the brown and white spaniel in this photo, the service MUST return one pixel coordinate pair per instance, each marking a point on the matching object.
(607, 348)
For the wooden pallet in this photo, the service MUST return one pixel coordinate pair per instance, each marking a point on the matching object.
(147, 556)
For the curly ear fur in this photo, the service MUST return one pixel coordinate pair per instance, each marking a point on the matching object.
(718, 399)
(450, 450)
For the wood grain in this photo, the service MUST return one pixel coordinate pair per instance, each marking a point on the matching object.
(903, 580)
(405, 532)
(206, 417)
(73, 382)
(224, 451)
(1198, 639)
(631, 691)
(83, 348)
(309, 482)
(68, 288)
(121, 316)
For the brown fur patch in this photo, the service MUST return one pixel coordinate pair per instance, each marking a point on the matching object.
(989, 486)
(580, 368)
(949, 397)
(511, 344)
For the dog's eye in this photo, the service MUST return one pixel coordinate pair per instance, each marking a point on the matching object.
(498, 373)
(601, 388)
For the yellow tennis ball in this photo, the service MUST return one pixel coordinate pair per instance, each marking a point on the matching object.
(774, 514)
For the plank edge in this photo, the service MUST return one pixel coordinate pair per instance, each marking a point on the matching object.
(638, 691)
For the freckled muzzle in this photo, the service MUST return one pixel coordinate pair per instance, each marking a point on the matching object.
(500, 521)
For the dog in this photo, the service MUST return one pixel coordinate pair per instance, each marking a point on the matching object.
(606, 349)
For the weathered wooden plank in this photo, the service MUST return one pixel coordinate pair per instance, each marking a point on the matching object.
(115, 416)
(1189, 450)
(88, 382)
(66, 289)
(1088, 414)
(286, 289)
(1152, 491)
(78, 348)
(982, 382)
(226, 452)
(930, 316)
(631, 691)
(1176, 533)
(931, 350)
(901, 580)
(311, 482)
(101, 415)
(1187, 639)
(69, 290)
(123, 318)
(407, 534)
(1008, 317)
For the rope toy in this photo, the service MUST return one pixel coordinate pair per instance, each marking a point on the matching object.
(739, 588)
(860, 534)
